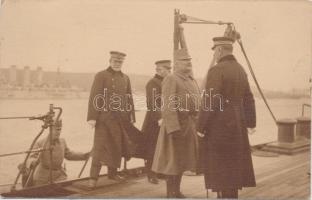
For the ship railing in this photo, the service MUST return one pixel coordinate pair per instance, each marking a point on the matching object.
(48, 122)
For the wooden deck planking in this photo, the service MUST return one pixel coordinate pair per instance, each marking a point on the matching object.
(281, 185)
(130, 188)
(280, 177)
(265, 166)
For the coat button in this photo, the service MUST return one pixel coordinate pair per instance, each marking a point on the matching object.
(112, 79)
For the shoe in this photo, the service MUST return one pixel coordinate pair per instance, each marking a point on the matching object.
(92, 183)
(171, 195)
(153, 180)
(180, 195)
(116, 178)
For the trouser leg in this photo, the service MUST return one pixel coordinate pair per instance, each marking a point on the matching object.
(178, 180)
(170, 181)
(173, 186)
(234, 193)
(219, 195)
(148, 168)
(178, 192)
(111, 171)
(150, 173)
(95, 168)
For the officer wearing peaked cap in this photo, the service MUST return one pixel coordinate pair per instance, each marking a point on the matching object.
(225, 155)
(177, 145)
(110, 109)
(117, 55)
(163, 63)
(222, 41)
(151, 124)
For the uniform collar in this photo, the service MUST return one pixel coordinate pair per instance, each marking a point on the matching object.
(109, 69)
(227, 58)
(159, 77)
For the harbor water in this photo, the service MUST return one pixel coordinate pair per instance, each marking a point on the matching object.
(17, 135)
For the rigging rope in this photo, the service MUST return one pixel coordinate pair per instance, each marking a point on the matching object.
(193, 20)
(23, 152)
(255, 79)
(15, 117)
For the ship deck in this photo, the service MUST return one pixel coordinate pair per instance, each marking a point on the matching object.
(277, 177)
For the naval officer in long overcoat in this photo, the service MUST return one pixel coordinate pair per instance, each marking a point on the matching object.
(228, 109)
(177, 145)
(151, 124)
(110, 109)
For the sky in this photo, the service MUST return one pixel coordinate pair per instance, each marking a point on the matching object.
(77, 35)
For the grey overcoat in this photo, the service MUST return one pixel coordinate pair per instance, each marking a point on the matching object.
(177, 145)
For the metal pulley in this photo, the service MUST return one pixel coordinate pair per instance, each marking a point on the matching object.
(231, 32)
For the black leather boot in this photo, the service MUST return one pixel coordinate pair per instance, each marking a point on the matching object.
(178, 192)
(170, 187)
(152, 178)
(112, 174)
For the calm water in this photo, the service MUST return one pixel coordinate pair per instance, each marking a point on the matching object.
(16, 135)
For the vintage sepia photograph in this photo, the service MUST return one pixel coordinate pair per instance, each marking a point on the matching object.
(155, 99)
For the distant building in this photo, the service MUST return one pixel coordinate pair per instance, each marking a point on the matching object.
(3, 80)
(38, 78)
(26, 77)
(12, 75)
(30, 78)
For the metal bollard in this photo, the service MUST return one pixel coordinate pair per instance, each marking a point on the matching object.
(303, 127)
(286, 130)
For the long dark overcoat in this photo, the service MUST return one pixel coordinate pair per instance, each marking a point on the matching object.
(226, 157)
(111, 105)
(177, 145)
(150, 127)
